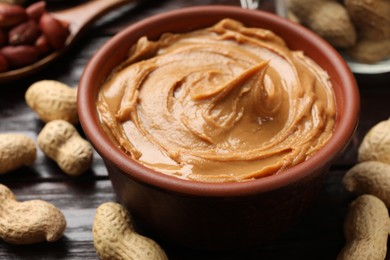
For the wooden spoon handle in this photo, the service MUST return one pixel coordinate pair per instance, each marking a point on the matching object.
(82, 16)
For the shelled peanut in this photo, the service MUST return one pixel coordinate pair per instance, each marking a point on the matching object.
(360, 27)
(28, 34)
(14, 2)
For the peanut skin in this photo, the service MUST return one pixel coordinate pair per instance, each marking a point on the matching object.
(366, 230)
(14, 2)
(24, 33)
(114, 237)
(369, 177)
(53, 100)
(54, 30)
(28, 34)
(16, 150)
(60, 141)
(11, 15)
(20, 55)
(36, 10)
(42, 45)
(28, 222)
(4, 65)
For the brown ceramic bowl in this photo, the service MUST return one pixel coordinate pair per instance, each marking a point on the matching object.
(216, 215)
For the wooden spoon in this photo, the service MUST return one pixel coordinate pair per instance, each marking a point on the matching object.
(79, 18)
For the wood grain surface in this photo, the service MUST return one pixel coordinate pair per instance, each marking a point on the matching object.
(318, 235)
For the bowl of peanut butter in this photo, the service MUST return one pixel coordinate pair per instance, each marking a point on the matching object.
(217, 124)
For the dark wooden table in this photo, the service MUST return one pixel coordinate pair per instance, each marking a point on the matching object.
(318, 235)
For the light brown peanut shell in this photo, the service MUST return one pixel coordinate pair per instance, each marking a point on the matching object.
(28, 222)
(376, 143)
(329, 19)
(114, 237)
(370, 177)
(371, 17)
(53, 100)
(370, 51)
(366, 230)
(60, 141)
(16, 150)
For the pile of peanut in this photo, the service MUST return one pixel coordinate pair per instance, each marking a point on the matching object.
(367, 224)
(28, 34)
(55, 103)
(114, 237)
(359, 27)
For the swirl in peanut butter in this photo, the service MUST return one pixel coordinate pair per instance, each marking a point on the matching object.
(220, 104)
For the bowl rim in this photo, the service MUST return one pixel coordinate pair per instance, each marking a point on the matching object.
(338, 142)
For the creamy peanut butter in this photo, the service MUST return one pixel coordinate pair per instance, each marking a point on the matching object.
(220, 104)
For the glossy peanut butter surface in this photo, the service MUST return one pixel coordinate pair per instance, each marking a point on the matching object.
(220, 104)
